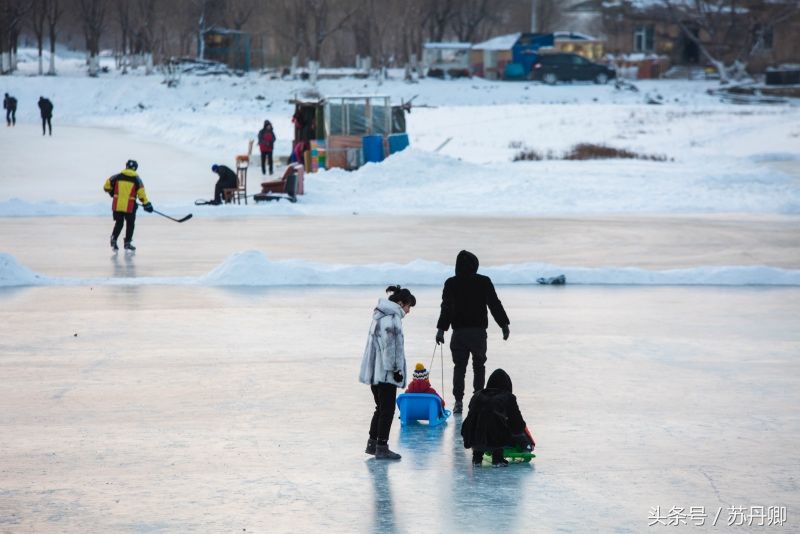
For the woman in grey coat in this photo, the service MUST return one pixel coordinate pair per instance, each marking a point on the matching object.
(384, 366)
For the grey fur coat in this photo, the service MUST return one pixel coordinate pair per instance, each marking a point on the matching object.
(384, 353)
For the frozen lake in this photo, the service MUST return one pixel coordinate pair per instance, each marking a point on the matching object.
(162, 408)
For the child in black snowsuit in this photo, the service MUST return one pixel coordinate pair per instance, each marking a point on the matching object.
(494, 421)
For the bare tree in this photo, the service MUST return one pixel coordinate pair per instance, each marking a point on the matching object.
(38, 18)
(471, 16)
(54, 13)
(549, 15)
(729, 32)
(125, 21)
(437, 17)
(12, 15)
(93, 15)
(240, 12)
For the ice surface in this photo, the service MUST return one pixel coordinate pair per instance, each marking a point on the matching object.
(206, 409)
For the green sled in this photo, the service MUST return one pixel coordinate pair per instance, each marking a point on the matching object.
(513, 455)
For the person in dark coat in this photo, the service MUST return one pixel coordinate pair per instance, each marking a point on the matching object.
(10, 105)
(266, 144)
(227, 180)
(465, 298)
(46, 110)
(494, 421)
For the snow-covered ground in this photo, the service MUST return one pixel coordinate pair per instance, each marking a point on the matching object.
(208, 383)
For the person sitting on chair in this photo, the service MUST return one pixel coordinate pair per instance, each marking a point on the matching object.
(227, 180)
(421, 382)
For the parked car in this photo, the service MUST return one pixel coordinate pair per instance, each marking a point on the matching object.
(561, 67)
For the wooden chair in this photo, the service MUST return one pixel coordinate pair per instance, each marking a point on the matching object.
(240, 191)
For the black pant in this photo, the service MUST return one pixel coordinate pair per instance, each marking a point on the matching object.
(129, 219)
(46, 122)
(264, 156)
(463, 342)
(384, 395)
(497, 455)
(11, 116)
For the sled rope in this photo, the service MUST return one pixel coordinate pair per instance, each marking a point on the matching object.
(433, 357)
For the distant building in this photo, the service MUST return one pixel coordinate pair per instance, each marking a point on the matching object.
(448, 59)
(231, 47)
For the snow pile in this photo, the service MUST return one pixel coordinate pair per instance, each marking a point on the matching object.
(253, 268)
(14, 274)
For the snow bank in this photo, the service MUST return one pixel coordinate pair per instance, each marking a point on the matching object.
(253, 268)
(14, 274)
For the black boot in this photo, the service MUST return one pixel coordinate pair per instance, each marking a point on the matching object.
(129, 246)
(458, 407)
(497, 458)
(477, 458)
(114, 246)
(371, 444)
(382, 452)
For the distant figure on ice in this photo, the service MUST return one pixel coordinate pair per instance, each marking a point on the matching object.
(421, 382)
(10, 105)
(266, 143)
(495, 422)
(227, 180)
(46, 110)
(384, 366)
(465, 298)
(125, 188)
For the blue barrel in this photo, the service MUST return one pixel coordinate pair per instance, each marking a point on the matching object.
(373, 148)
(398, 142)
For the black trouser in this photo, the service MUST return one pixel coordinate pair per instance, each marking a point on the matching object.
(46, 122)
(477, 455)
(463, 342)
(129, 219)
(264, 157)
(384, 395)
(11, 116)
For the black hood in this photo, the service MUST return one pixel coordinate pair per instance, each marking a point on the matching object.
(466, 263)
(499, 380)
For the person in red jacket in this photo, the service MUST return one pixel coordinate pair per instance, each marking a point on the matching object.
(266, 143)
(421, 382)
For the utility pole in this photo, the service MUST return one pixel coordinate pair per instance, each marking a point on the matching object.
(533, 16)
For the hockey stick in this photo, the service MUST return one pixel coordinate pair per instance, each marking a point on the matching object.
(182, 219)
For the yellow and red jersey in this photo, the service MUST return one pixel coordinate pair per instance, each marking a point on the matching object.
(125, 187)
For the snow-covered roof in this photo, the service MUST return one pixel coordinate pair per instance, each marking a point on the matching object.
(501, 42)
(447, 46)
(573, 36)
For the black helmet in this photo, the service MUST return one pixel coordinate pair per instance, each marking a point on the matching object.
(131, 164)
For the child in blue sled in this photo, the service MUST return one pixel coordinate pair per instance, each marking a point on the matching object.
(494, 421)
(421, 382)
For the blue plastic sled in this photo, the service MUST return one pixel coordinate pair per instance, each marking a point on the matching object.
(421, 406)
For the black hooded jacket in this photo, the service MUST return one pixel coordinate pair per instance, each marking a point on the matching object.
(466, 295)
(494, 417)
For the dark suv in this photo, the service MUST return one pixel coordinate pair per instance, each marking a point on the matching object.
(552, 68)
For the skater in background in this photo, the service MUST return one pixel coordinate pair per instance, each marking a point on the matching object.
(465, 298)
(46, 110)
(125, 188)
(421, 382)
(383, 366)
(266, 144)
(227, 180)
(495, 422)
(10, 105)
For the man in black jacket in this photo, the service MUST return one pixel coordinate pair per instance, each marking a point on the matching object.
(227, 180)
(46, 111)
(10, 105)
(465, 298)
